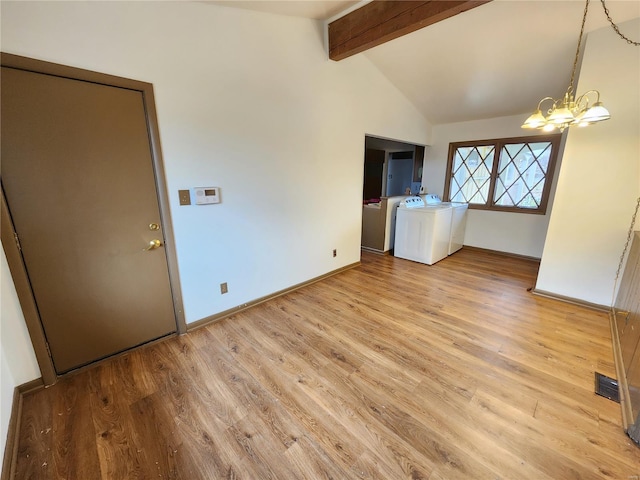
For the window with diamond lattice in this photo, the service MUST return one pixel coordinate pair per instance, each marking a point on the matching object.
(511, 174)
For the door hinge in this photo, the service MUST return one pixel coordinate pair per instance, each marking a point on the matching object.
(48, 349)
(15, 236)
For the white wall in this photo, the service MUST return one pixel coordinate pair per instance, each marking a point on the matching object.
(18, 363)
(599, 179)
(518, 233)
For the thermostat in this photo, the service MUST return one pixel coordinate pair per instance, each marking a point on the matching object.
(206, 195)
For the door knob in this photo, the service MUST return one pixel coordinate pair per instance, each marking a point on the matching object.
(153, 244)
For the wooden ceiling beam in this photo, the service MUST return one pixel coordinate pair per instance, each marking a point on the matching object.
(380, 21)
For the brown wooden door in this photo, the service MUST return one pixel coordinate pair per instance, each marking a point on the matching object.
(373, 173)
(78, 177)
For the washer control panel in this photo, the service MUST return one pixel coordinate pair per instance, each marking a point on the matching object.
(414, 202)
(432, 199)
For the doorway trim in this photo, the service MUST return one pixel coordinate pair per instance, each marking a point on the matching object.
(11, 246)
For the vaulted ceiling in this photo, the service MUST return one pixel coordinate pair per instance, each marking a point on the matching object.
(497, 59)
(314, 9)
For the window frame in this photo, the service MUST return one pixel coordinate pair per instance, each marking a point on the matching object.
(499, 144)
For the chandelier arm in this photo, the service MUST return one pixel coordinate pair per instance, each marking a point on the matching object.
(585, 96)
(544, 99)
(615, 27)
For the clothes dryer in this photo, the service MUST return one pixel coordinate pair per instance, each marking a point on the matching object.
(423, 232)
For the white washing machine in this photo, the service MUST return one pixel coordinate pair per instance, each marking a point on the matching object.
(423, 232)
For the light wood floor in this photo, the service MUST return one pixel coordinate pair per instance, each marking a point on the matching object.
(392, 370)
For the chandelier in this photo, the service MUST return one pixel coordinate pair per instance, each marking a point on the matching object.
(569, 110)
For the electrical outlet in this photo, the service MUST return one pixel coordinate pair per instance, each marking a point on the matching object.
(223, 288)
(335, 252)
(185, 197)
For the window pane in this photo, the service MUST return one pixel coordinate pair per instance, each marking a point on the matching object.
(521, 174)
(471, 174)
(505, 174)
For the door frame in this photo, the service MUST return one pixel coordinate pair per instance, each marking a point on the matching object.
(11, 244)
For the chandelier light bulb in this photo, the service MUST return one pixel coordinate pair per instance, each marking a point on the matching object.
(535, 120)
(596, 113)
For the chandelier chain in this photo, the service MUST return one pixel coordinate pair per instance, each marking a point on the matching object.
(575, 60)
(615, 27)
(624, 250)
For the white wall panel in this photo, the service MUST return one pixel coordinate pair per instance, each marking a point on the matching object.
(598, 183)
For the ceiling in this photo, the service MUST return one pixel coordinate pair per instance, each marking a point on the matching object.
(315, 9)
(495, 60)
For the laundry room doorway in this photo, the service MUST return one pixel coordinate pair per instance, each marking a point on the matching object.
(392, 169)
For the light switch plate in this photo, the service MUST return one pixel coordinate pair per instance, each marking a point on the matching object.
(185, 197)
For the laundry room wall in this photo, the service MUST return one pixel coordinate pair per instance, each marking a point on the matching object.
(518, 233)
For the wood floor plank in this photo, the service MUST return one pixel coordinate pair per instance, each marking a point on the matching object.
(162, 450)
(248, 391)
(36, 439)
(391, 370)
(195, 431)
(436, 412)
(135, 382)
(569, 422)
(336, 405)
(313, 463)
(119, 449)
(205, 393)
(72, 422)
(327, 391)
(573, 462)
(255, 447)
(319, 424)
